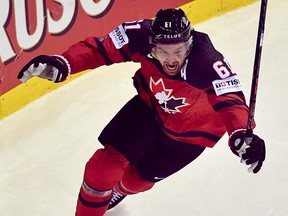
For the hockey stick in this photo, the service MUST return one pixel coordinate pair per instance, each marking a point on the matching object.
(256, 68)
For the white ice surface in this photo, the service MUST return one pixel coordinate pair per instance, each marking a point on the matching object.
(44, 147)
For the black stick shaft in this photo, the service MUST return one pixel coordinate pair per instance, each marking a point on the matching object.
(256, 68)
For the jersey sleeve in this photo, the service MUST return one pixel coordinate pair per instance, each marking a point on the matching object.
(232, 109)
(226, 96)
(216, 77)
(125, 43)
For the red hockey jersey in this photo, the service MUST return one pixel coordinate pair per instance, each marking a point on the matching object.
(197, 106)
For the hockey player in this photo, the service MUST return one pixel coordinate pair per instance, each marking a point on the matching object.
(187, 98)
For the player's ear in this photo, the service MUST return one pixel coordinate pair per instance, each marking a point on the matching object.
(153, 51)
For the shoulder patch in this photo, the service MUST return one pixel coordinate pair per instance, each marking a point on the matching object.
(227, 85)
(119, 37)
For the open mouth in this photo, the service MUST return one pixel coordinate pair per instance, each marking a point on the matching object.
(171, 68)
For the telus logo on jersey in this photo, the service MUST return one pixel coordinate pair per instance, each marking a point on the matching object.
(228, 85)
(167, 101)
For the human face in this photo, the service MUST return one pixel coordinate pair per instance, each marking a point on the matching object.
(170, 56)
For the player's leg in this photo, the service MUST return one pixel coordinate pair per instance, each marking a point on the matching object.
(102, 172)
(133, 131)
(131, 183)
(163, 160)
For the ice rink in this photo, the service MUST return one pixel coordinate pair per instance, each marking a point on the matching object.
(44, 146)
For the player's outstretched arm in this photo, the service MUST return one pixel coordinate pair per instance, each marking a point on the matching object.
(55, 68)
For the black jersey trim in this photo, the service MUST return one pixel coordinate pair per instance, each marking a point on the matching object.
(102, 50)
(210, 91)
(228, 103)
(142, 80)
(124, 55)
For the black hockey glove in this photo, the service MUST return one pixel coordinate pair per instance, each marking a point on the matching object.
(251, 150)
(55, 68)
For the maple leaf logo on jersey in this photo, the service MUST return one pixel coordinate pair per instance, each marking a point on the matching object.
(165, 98)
